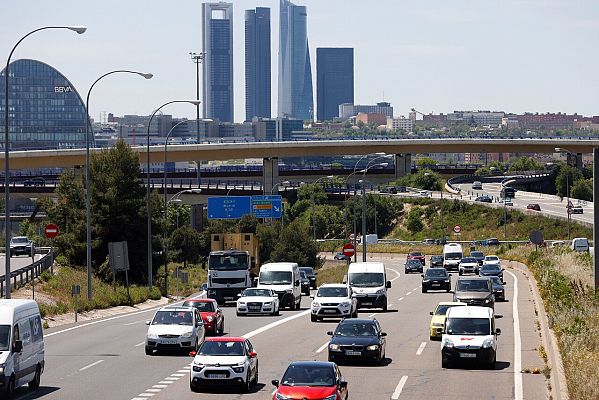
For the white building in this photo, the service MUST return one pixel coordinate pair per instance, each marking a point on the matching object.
(348, 110)
(405, 124)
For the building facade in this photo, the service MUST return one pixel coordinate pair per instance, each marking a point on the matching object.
(401, 123)
(376, 119)
(348, 110)
(45, 111)
(295, 70)
(217, 68)
(334, 81)
(257, 63)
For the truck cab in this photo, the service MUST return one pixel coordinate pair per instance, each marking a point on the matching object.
(228, 274)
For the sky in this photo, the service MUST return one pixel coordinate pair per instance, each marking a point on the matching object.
(433, 55)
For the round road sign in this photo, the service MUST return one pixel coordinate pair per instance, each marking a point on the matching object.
(51, 231)
(457, 229)
(536, 237)
(348, 250)
(352, 237)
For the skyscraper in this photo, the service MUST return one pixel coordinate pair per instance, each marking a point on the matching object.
(334, 80)
(295, 71)
(257, 63)
(217, 45)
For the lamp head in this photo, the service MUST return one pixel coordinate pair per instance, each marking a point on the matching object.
(382, 153)
(330, 176)
(194, 191)
(78, 29)
(146, 75)
(194, 102)
(559, 150)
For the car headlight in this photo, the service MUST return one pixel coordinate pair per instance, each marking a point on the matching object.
(197, 367)
(210, 318)
(380, 291)
(345, 303)
(268, 303)
(426, 280)
(331, 397)
(187, 334)
(446, 280)
(289, 291)
(238, 368)
(334, 347)
(373, 347)
(489, 299)
(281, 397)
(2, 368)
(488, 343)
(152, 336)
(447, 343)
(241, 303)
(315, 304)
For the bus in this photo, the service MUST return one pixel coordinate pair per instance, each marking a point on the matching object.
(508, 192)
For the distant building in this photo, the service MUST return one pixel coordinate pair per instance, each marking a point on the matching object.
(349, 110)
(334, 82)
(510, 122)
(405, 124)
(376, 119)
(434, 120)
(257, 63)
(277, 129)
(549, 121)
(217, 45)
(484, 118)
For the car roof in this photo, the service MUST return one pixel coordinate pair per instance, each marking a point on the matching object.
(175, 308)
(470, 312)
(358, 320)
(367, 267)
(437, 269)
(473, 278)
(333, 285)
(225, 339)
(451, 303)
(200, 301)
(313, 364)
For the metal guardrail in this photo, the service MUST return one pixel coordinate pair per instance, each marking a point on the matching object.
(24, 275)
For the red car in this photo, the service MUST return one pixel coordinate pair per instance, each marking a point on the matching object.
(534, 206)
(212, 315)
(416, 255)
(311, 380)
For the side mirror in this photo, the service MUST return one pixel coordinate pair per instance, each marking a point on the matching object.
(431, 313)
(342, 385)
(312, 297)
(17, 346)
(383, 333)
(203, 265)
(452, 291)
(503, 283)
(238, 294)
(502, 269)
(275, 382)
(388, 285)
(204, 286)
(147, 322)
(450, 274)
(253, 354)
(315, 273)
(498, 331)
(422, 275)
(330, 333)
(192, 354)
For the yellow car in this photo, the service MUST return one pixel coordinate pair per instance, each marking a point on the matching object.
(438, 319)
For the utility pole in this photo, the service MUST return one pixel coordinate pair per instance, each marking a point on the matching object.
(197, 58)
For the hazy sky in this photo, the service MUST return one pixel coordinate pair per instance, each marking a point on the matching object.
(433, 55)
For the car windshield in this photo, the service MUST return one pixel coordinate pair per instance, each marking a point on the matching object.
(453, 256)
(490, 268)
(228, 262)
(436, 272)
(477, 254)
(20, 240)
(416, 254)
(4, 337)
(257, 292)
(298, 375)
(468, 326)
(366, 279)
(474, 285)
(221, 349)
(173, 318)
(414, 262)
(332, 292)
(442, 308)
(468, 260)
(437, 258)
(491, 258)
(202, 306)
(275, 277)
(496, 280)
(309, 271)
(356, 329)
(303, 275)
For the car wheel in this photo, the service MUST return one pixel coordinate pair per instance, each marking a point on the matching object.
(444, 362)
(10, 387)
(221, 331)
(248, 384)
(237, 312)
(277, 313)
(460, 272)
(256, 376)
(149, 351)
(298, 305)
(423, 290)
(194, 388)
(313, 318)
(385, 307)
(35, 383)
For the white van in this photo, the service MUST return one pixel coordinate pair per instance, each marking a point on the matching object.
(452, 255)
(21, 344)
(580, 244)
(284, 279)
(369, 284)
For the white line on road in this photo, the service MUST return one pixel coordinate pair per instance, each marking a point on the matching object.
(324, 346)
(165, 382)
(134, 323)
(276, 323)
(372, 315)
(140, 344)
(390, 305)
(421, 348)
(400, 299)
(409, 293)
(172, 378)
(179, 375)
(399, 387)
(518, 395)
(91, 365)
(160, 386)
(391, 269)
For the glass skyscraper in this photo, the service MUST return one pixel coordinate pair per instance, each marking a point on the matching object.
(217, 45)
(44, 109)
(257, 63)
(295, 71)
(334, 80)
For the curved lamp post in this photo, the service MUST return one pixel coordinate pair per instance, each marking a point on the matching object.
(7, 233)
(364, 171)
(148, 203)
(88, 229)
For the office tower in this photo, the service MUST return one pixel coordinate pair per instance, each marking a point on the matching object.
(295, 71)
(257, 63)
(334, 80)
(217, 45)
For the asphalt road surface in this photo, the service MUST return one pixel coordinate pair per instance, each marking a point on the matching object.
(17, 262)
(105, 359)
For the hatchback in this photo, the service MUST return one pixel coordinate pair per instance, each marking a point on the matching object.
(311, 380)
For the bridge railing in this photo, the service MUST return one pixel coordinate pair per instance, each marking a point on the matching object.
(24, 275)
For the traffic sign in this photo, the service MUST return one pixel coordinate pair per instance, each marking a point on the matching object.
(457, 229)
(229, 207)
(51, 231)
(348, 250)
(267, 206)
(570, 205)
(352, 237)
(536, 237)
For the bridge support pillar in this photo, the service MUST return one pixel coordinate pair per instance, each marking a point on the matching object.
(270, 174)
(403, 165)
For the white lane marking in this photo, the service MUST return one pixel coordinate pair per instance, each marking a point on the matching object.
(165, 382)
(179, 375)
(183, 371)
(153, 390)
(417, 287)
(133, 323)
(517, 343)
(391, 269)
(399, 387)
(321, 348)
(421, 348)
(171, 378)
(400, 299)
(91, 365)
(140, 344)
(160, 386)
(372, 315)
(409, 293)
(390, 305)
(146, 394)
(113, 318)
(276, 323)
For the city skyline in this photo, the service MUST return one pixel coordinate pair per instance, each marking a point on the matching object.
(490, 57)
(257, 63)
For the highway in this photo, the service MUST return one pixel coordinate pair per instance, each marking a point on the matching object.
(105, 359)
(17, 262)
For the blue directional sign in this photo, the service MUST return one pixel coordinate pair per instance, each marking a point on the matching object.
(229, 207)
(267, 206)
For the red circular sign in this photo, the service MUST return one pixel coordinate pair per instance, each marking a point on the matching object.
(348, 250)
(457, 229)
(51, 231)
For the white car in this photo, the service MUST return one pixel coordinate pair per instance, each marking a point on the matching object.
(258, 301)
(224, 361)
(423, 193)
(175, 328)
(333, 300)
(490, 260)
(468, 264)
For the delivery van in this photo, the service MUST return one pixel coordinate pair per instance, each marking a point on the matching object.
(369, 284)
(284, 279)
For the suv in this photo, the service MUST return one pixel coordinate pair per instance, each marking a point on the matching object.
(436, 261)
(175, 328)
(333, 300)
(474, 291)
(577, 209)
(468, 264)
(20, 245)
(311, 274)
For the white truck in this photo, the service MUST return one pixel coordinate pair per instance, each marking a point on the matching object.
(369, 284)
(452, 255)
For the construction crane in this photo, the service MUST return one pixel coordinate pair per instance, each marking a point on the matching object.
(416, 111)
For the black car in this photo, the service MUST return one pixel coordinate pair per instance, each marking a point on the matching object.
(484, 199)
(492, 242)
(479, 256)
(304, 283)
(413, 266)
(34, 182)
(436, 261)
(357, 339)
(491, 270)
(498, 288)
(436, 279)
(340, 256)
(311, 275)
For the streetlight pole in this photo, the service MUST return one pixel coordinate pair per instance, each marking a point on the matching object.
(568, 208)
(148, 202)
(364, 235)
(197, 58)
(7, 230)
(313, 204)
(88, 133)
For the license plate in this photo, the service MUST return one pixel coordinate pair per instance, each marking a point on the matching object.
(255, 308)
(353, 353)
(436, 284)
(216, 376)
(168, 341)
(467, 355)
(367, 303)
(330, 311)
(228, 298)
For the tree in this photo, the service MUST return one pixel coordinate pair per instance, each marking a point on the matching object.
(312, 191)
(566, 176)
(582, 190)
(295, 244)
(425, 162)
(525, 164)
(186, 244)
(414, 221)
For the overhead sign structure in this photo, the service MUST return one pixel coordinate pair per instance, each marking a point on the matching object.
(51, 231)
(348, 250)
(457, 229)
(229, 207)
(267, 206)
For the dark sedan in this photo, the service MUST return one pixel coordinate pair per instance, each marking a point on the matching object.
(498, 288)
(534, 206)
(484, 199)
(479, 256)
(305, 283)
(357, 339)
(436, 279)
(413, 266)
(436, 261)
(311, 275)
(491, 270)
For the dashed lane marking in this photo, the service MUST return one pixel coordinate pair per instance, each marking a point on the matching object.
(321, 348)
(400, 299)
(421, 348)
(91, 365)
(399, 387)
